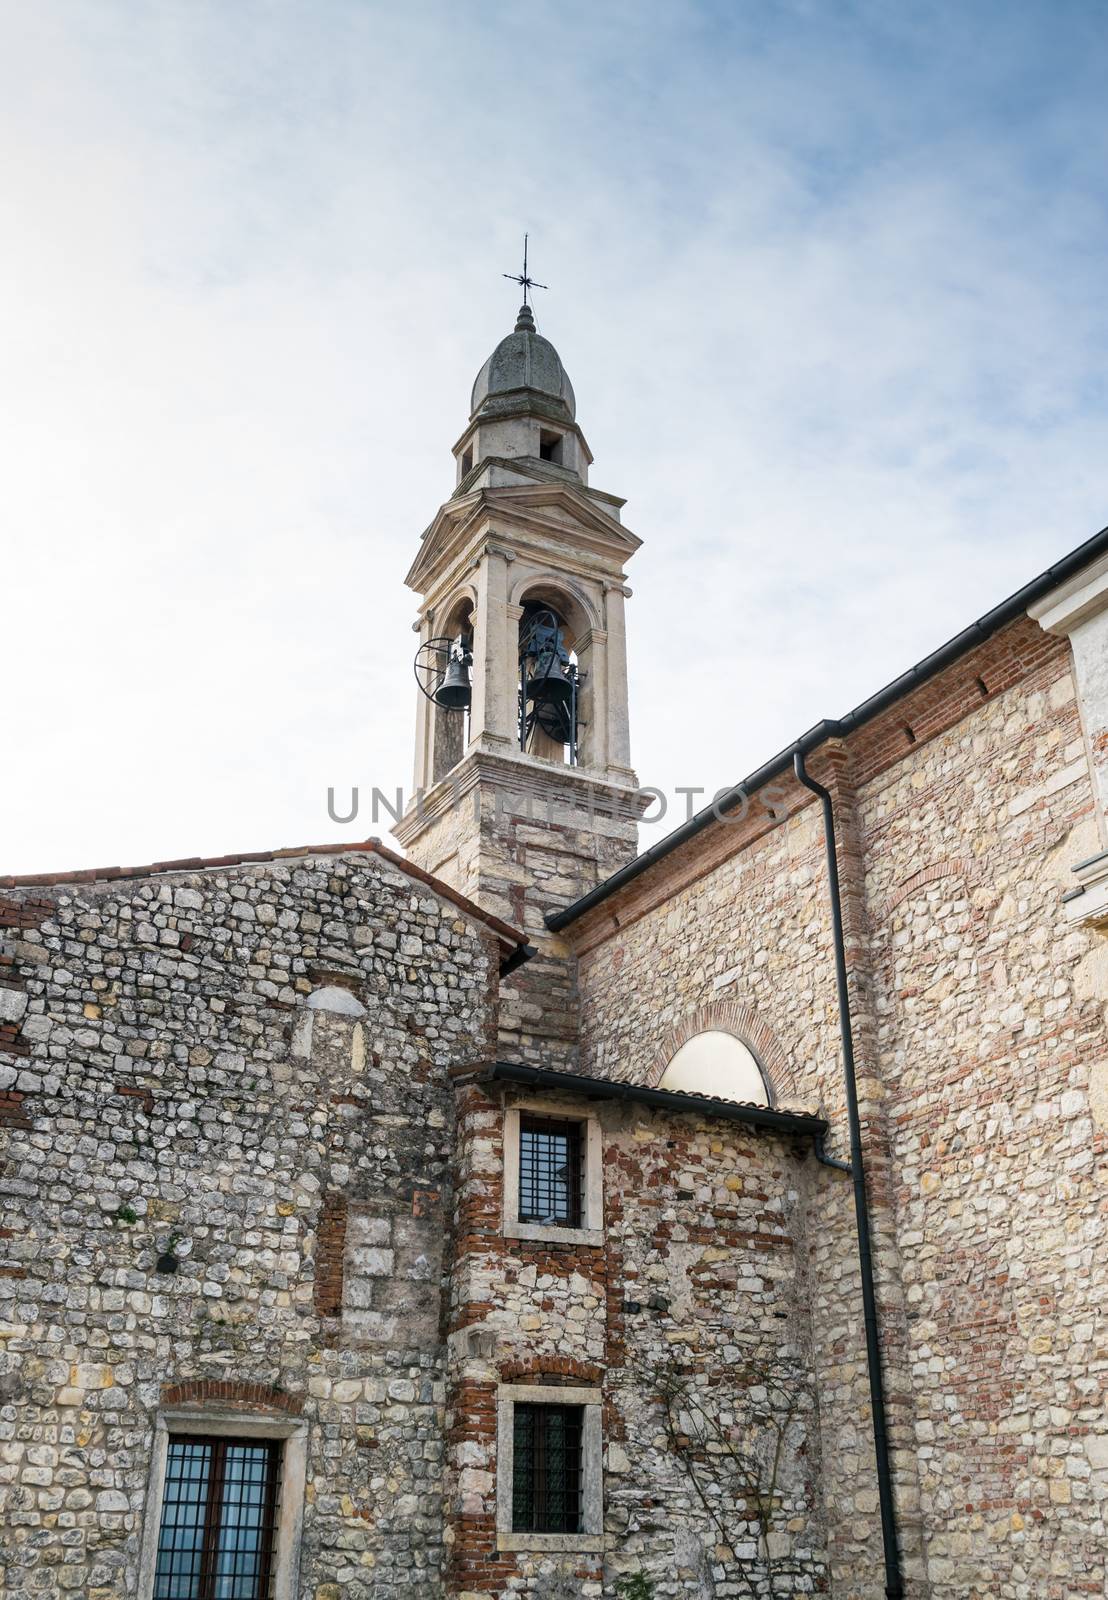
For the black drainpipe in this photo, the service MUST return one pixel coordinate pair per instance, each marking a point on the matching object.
(521, 954)
(894, 1586)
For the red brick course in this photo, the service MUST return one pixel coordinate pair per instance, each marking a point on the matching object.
(213, 1391)
(1011, 657)
(330, 1249)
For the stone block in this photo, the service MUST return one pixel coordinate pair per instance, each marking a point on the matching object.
(13, 1004)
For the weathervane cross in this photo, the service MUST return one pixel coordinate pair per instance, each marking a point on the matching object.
(523, 278)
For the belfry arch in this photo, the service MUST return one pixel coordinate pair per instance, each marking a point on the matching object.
(573, 604)
(450, 728)
(579, 614)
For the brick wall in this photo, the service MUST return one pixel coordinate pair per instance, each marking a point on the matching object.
(701, 1267)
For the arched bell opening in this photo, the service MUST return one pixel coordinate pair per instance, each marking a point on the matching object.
(444, 672)
(550, 680)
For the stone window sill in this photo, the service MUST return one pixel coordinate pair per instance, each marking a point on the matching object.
(550, 1543)
(548, 1233)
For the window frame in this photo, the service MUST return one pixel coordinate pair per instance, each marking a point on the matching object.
(591, 1230)
(542, 1487)
(208, 1422)
(591, 1536)
(212, 1507)
(551, 446)
(574, 1134)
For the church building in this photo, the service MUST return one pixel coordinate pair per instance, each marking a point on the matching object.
(525, 1216)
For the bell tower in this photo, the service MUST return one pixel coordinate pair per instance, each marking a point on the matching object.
(524, 793)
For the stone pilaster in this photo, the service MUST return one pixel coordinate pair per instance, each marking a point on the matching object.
(1078, 610)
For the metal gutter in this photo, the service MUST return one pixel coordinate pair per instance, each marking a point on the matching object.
(782, 763)
(796, 1122)
(894, 1584)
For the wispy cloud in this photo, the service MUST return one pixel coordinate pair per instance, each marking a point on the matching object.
(827, 278)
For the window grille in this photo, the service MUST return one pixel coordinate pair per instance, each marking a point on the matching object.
(550, 1172)
(216, 1536)
(546, 1469)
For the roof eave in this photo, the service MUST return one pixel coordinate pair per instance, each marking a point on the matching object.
(773, 1118)
(999, 617)
(511, 940)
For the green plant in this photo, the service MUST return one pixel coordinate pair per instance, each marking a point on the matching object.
(126, 1213)
(635, 1586)
(734, 1431)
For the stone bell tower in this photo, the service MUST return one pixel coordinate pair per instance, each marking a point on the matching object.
(512, 804)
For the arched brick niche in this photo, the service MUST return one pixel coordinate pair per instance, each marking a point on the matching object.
(919, 880)
(743, 1024)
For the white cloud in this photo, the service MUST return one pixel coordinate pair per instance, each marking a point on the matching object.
(826, 278)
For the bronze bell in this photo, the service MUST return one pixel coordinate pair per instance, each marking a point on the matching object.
(549, 686)
(455, 691)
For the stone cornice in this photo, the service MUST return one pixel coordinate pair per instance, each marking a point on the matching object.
(532, 469)
(1086, 905)
(525, 776)
(1075, 601)
(445, 541)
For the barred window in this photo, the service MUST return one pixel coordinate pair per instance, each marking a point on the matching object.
(216, 1535)
(546, 1468)
(550, 1172)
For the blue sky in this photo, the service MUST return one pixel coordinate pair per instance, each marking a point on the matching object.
(828, 279)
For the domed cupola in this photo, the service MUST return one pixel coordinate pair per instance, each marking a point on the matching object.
(524, 361)
(523, 416)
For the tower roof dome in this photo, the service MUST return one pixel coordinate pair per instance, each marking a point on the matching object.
(524, 360)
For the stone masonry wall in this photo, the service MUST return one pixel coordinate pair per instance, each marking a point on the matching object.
(245, 1067)
(531, 839)
(747, 948)
(981, 1034)
(701, 1269)
(991, 1034)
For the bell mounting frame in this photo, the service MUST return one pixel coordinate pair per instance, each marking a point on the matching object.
(430, 664)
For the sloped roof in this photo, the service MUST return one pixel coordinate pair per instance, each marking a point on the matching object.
(999, 617)
(511, 939)
(779, 1118)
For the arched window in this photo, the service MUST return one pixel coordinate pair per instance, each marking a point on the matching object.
(717, 1063)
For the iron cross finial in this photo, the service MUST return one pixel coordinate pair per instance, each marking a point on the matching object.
(523, 277)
